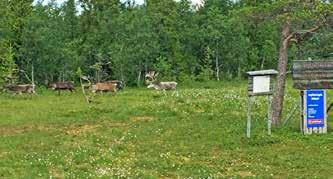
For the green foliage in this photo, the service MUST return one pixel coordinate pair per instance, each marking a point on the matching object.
(164, 68)
(7, 64)
(206, 71)
(130, 39)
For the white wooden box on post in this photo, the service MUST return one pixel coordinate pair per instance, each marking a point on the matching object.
(260, 83)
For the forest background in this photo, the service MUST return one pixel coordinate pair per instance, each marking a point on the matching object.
(113, 39)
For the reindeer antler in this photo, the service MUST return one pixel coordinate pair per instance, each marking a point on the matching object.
(150, 74)
(86, 78)
(150, 77)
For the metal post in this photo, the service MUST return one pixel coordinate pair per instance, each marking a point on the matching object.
(248, 129)
(301, 111)
(269, 115)
(290, 114)
(324, 130)
(306, 130)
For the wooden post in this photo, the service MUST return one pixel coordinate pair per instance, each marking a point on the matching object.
(301, 110)
(248, 129)
(269, 115)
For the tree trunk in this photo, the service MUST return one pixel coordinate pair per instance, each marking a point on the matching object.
(83, 90)
(139, 79)
(262, 63)
(217, 65)
(33, 78)
(278, 97)
(98, 76)
(122, 73)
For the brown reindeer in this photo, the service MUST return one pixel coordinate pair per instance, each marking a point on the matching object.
(19, 89)
(119, 84)
(108, 86)
(61, 86)
(104, 87)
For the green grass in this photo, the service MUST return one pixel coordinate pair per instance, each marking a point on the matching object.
(142, 133)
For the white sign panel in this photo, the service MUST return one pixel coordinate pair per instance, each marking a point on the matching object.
(261, 84)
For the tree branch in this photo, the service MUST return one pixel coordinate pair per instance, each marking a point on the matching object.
(293, 40)
(310, 31)
(297, 37)
(290, 37)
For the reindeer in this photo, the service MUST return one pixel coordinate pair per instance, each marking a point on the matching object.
(104, 87)
(157, 85)
(119, 84)
(58, 86)
(107, 86)
(19, 89)
(98, 87)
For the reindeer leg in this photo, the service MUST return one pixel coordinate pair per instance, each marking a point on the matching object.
(164, 92)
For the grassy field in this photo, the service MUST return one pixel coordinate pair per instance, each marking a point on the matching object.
(142, 133)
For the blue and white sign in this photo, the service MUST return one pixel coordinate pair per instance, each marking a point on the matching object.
(315, 108)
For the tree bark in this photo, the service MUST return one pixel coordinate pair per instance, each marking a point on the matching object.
(286, 38)
(278, 97)
(262, 63)
(217, 65)
(33, 78)
(139, 79)
(122, 73)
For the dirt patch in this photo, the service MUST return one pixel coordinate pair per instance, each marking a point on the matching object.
(74, 129)
(142, 118)
(12, 131)
(246, 174)
(80, 129)
(215, 153)
(54, 173)
(115, 124)
(3, 154)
